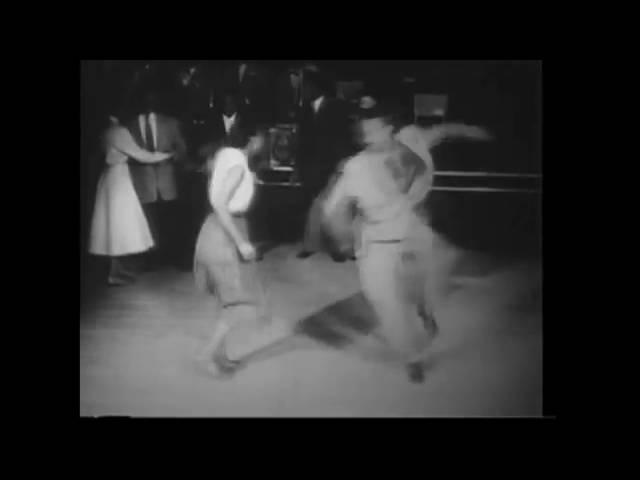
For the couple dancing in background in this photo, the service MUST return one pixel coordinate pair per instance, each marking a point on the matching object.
(136, 195)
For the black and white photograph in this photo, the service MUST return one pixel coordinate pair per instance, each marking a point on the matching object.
(311, 238)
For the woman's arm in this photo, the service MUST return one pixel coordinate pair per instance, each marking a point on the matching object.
(120, 139)
(220, 199)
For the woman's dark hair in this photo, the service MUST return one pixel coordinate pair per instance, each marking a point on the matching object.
(238, 139)
(259, 157)
(241, 139)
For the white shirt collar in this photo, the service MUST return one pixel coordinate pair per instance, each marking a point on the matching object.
(229, 122)
(154, 128)
(317, 103)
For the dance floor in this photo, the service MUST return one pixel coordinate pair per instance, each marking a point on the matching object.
(138, 343)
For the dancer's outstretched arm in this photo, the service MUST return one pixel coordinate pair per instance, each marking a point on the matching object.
(436, 134)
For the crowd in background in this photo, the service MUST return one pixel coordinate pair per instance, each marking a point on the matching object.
(197, 95)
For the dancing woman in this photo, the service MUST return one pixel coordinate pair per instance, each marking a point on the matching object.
(224, 263)
(119, 226)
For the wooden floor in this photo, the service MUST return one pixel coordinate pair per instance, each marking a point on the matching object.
(137, 346)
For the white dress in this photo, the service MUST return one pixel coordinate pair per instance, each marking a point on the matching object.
(119, 225)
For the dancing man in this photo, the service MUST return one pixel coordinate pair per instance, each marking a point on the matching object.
(385, 181)
(388, 183)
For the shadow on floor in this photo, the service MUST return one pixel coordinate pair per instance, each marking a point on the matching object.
(338, 324)
(93, 275)
(341, 324)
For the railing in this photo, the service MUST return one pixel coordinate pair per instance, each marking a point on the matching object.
(279, 184)
(453, 173)
(485, 189)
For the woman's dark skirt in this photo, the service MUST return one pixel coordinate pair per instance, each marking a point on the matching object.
(219, 268)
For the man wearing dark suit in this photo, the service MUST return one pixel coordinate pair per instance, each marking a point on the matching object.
(288, 95)
(325, 140)
(224, 126)
(157, 185)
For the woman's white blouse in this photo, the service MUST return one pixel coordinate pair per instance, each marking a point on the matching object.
(226, 159)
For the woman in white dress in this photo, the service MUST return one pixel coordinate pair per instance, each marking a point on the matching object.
(119, 226)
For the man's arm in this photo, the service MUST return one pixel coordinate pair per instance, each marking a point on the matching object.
(345, 144)
(338, 214)
(338, 197)
(419, 175)
(436, 134)
(419, 189)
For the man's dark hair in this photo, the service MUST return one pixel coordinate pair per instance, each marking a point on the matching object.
(145, 101)
(387, 111)
(151, 101)
(318, 80)
(232, 93)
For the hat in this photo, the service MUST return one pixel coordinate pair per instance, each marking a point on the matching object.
(367, 102)
(378, 109)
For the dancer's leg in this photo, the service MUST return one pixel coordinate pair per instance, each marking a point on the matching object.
(117, 273)
(400, 323)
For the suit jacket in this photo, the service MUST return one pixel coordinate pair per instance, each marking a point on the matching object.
(152, 182)
(325, 140)
(255, 88)
(287, 99)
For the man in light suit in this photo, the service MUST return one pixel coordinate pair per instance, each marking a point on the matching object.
(386, 181)
(157, 185)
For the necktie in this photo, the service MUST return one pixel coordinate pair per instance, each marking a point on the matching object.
(231, 122)
(149, 134)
